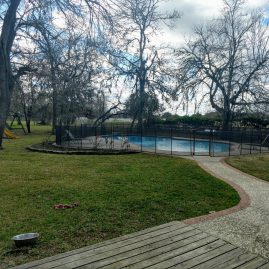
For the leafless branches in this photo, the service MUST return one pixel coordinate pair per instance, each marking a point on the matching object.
(229, 57)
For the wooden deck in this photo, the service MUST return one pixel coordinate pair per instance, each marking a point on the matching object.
(172, 245)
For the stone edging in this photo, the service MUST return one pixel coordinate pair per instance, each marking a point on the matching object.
(244, 199)
(78, 152)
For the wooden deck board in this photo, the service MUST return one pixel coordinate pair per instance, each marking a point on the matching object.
(128, 261)
(265, 266)
(172, 245)
(201, 259)
(212, 263)
(116, 249)
(174, 260)
(141, 255)
(167, 255)
(241, 259)
(256, 263)
(105, 243)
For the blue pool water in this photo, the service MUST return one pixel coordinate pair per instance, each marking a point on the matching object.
(180, 145)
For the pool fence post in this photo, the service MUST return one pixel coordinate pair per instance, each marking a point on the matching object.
(241, 142)
(112, 136)
(194, 137)
(260, 140)
(59, 134)
(155, 133)
(171, 137)
(190, 142)
(68, 136)
(141, 133)
(209, 142)
(229, 133)
(81, 144)
(251, 141)
(213, 139)
(127, 138)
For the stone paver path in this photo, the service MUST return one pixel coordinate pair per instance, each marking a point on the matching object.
(247, 228)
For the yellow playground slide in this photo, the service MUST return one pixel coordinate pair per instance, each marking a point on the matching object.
(9, 134)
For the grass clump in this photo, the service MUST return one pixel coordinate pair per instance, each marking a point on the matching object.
(256, 165)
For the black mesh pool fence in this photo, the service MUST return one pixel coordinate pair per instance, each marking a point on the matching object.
(163, 140)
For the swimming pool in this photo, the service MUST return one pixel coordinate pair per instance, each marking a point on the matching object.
(177, 145)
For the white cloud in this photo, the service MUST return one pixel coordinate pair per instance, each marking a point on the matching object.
(195, 12)
(257, 3)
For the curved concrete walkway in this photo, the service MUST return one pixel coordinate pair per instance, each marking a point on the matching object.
(247, 228)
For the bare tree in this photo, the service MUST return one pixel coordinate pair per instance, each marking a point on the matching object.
(77, 73)
(136, 56)
(27, 99)
(17, 15)
(229, 59)
(7, 81)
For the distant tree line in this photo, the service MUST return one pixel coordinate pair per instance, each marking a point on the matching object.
(212, 120)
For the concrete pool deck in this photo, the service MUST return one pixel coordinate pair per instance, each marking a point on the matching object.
(248, 227)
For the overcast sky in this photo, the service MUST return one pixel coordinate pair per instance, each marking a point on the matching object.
(195, 12)
(198, 11)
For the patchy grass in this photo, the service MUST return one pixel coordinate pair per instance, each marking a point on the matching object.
(117, 195)
(256, 165)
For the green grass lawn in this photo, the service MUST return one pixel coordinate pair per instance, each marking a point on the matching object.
(256, 165)
(117, 195)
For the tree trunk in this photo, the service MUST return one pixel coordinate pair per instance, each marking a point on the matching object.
(227, 121)
(27, 116)
(54, 91)
(142, 84)
(28, 126)
(54, 109)
(3, 114)
(6, 87)
(1, 137)
(6, 78)
(134, 119)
